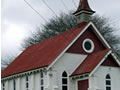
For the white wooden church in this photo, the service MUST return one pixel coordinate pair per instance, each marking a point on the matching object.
(85, 61)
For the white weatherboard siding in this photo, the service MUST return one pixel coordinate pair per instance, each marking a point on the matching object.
(23, 83)
(50, 80)
(10, 85)
(37, 81)
(68, 62)
(5, 85)
(31, 82)
(97, 81)
(18, 83)
(34, 83)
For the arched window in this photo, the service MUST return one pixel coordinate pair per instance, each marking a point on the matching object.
(64, 81)
(108, 82)
(3, 86)
(27, 83)
(14, 84)
(42, 80)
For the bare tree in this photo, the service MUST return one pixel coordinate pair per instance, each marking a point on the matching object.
(5, 61)
(65, 22)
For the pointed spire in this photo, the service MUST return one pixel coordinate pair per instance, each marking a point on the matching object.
(84, 10)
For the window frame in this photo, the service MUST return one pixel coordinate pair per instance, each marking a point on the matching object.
(108, 79)
(27, 83)
(14, 84)
(92, 45)
(41, 80)
(3, 86)
(66, 79)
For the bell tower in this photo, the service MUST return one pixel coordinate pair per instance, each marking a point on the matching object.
(83, 11)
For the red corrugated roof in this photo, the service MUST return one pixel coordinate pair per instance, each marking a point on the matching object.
(43, 53)
(90, 62)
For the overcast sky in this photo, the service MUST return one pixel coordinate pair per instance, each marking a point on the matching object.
(18, 19)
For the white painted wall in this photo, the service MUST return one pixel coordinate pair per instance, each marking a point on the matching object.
(22, 83)
(97, 80)
(52, 78)
(34, 83)
(10, 85)
(37, 81)
(5, 85)
(68, 62)
(18, 83)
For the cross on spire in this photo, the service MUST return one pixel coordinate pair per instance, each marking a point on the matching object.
(84, 10)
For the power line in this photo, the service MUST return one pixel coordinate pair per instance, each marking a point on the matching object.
(64, 5)
(44, 18)
(49, 7)
(57, 16)
(74, 3)
(35, 10)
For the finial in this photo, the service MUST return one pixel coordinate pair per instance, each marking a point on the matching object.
(84, 11)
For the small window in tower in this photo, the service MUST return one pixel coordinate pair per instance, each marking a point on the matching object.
(88, 45)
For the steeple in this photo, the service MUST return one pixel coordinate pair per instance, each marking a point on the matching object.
(84, 11)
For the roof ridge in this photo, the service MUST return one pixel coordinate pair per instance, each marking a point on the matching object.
(69, 30)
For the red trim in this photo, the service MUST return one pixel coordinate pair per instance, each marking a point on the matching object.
(77, 46)
(110, 62)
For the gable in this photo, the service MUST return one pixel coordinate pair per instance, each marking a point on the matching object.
(90, 63)
(110, 62)
(77, 47)
(95, 60)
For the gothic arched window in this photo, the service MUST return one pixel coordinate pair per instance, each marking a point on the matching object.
(108, 82)
(27, 83)
(42, 80)
(3, 86)
(64, 81)
(14, 84)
